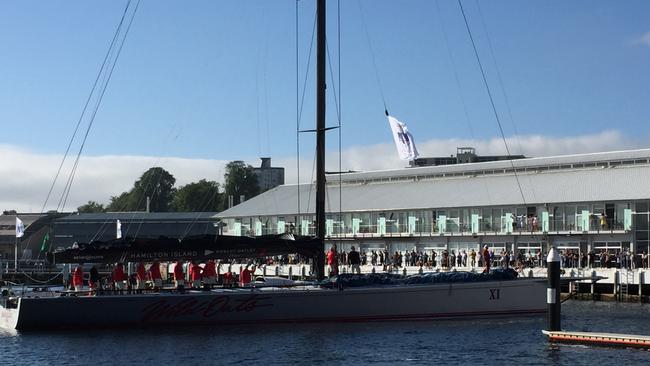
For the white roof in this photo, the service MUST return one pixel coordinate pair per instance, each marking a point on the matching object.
(619, 176)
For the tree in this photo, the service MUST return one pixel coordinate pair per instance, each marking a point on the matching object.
(118, 203)
(239, 180)
(157, 184)
(201, 196)
(91, 207)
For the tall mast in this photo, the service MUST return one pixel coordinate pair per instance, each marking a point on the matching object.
(319, 261)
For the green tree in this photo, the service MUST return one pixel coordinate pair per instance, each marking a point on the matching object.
(156, 183)
(118, 203)
(91, 207)
(201, 196)
(239, 180)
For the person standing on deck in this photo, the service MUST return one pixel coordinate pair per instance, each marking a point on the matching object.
(486, 259)
(179, 275)
(93, 281)
(140, 276)
(209, 274)
(78, 278)
(119, 277)
(156, 276)
(245, 275)
(196, 275)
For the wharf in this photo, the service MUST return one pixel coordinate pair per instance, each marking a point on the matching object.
(603, 339)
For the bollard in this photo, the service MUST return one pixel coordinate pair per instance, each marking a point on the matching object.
(404, 271)
(617, 283)
(291, 272)
(264, 271)
(530, 273)
(641, 282)
(373, 269)
(277, 271)
(553, 291)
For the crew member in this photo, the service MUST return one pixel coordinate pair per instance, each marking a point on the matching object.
(195, 275)
(179, 275)
(93, 280)
(486, 259)
(156, 276)
(245, 275)
(333, 261)
(227, 279)
(78, 278)
(209, 274)
(119, 277)
(140, 277)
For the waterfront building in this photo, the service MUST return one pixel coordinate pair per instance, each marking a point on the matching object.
(585, 202)
(267, 176)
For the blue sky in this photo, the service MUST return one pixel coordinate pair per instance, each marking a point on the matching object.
(217, 79)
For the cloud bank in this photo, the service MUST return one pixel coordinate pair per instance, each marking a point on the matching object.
(27, 176)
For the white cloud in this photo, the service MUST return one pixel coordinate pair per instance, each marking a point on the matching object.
(27, 176)
(644, 39)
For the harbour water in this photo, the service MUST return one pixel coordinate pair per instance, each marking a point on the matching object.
(499, 341)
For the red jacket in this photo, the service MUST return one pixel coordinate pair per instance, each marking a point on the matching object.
(210, 269)
(245, 276)
(140, 272)
(78, 277)
(195, 272)
(332, 258)
(178, 271)
(154, 271)
(118, 273)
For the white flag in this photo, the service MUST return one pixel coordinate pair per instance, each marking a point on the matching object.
(20, 228)
(118, 230)
(403, 140)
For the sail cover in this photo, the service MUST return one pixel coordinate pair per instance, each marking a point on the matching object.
(200, 248)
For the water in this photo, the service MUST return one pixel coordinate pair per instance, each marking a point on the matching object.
(501, 341)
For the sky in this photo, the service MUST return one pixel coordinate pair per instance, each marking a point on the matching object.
(201, 83)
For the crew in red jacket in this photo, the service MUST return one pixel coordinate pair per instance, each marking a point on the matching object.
(195, 275)
(486, 259)
(179, 275)
(78, 278)
(210, 273)
(156, 276)
(141, 276)
(119, 277)
(245, 275)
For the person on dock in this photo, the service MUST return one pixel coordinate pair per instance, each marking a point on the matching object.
(354, 260)
(78, 278)
(119, 277)
(93, 280)
(209, 274)
(472, 257)
(485, 253)
(155, 275)
(195, 275)
(333, 261)
(140, 277)
(179, 276)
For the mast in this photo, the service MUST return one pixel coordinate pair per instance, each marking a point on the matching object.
(319, 260)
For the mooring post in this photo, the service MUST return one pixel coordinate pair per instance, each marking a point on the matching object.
(553, 291)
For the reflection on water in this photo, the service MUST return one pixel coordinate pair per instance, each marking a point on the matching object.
(501, 341)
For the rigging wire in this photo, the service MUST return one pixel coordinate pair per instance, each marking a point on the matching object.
(487, 87)
(503, 89)
(452, 60)
(97, 105)
(372, 54)
(340, 108)
(83, 112)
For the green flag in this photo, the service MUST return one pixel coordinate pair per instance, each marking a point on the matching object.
(46, 239)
